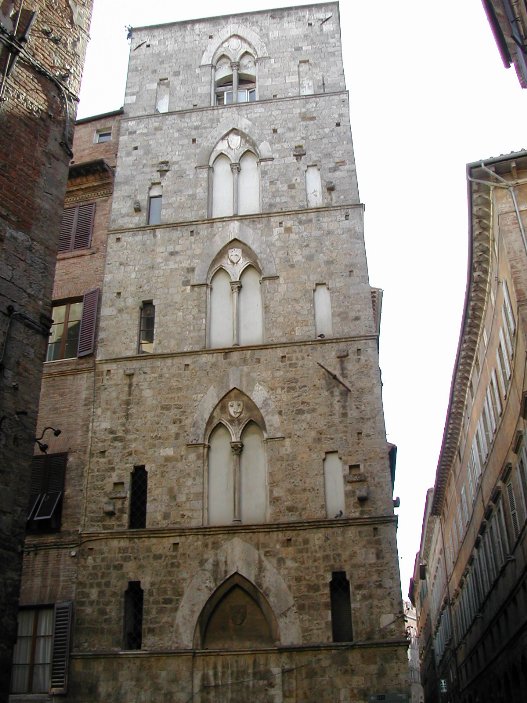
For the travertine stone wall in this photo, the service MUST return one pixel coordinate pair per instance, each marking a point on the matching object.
(291, 566)
(311, 395)
(170, 266)
(282, 40)
(280, 132)
(153, 411)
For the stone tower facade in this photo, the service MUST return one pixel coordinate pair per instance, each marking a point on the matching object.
(237, 539)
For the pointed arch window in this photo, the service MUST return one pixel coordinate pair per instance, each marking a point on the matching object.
(235, 185)
(235, 305)
(237, 477)
(235, 309)
(237, 463)
(235, 81)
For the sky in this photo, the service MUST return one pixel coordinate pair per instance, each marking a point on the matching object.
(428, 94)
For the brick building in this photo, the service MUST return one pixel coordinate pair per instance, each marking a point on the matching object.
(470, 582)
(42, 47)
(66, 405)
(225, 460)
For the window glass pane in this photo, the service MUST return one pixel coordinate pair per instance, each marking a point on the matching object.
(57, 330)
(228, 97)
(243, 96)
(74, 322)
(104, 136)
(55, 342)
(146, 332)
(64, 336)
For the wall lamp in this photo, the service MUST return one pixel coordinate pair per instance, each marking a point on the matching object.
(42, 445)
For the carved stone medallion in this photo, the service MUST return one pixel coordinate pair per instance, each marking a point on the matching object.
(235, 256)
(234, 140)
(235, 408)
(238, 614)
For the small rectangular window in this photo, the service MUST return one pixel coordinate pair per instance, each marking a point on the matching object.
(133, 616)
(64, 338)
(73, 329)
(154, 209)
(41, 653)
(32, 654)
(138, 498)
(340, 607)
(162, 95)
(103, 135)
(146, 328)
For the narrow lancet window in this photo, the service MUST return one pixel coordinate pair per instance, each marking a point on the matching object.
(133, 616)
(340, 607)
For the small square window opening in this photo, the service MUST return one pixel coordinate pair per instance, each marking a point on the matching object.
(104, 135)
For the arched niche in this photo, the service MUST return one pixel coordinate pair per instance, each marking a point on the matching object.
(236, 556)
(236, 616)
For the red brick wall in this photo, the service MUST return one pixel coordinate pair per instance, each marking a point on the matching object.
(34, 157)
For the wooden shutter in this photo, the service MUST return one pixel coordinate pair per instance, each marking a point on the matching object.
(76, 227)
(47, 485)
(89, 318)
(66, 229)
(84, 226)
(38, 482)
(61, 647)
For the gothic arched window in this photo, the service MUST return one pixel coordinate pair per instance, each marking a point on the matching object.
(235, 80)
(235, 180)
(237, 464)
(235, 304)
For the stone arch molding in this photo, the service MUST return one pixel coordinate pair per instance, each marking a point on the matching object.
(233, 125)
(250, 41)
(234, 258)
(236, 234)
(235, 411)
(237, 557)
(240, 380)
